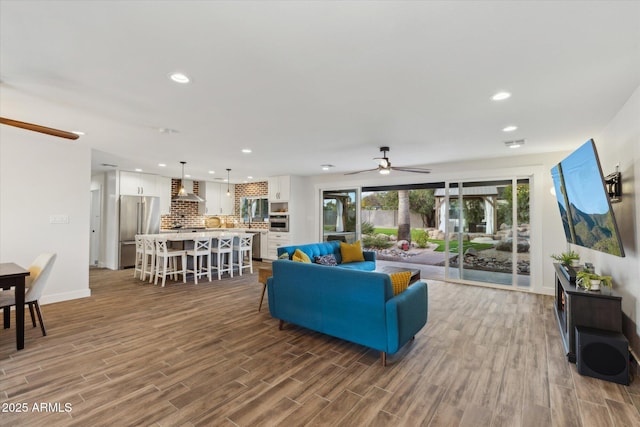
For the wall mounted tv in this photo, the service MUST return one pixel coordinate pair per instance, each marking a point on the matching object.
(585, 207)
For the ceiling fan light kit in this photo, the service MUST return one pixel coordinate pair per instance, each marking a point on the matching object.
(385, 168)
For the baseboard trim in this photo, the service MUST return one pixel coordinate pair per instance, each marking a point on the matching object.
(66, 296)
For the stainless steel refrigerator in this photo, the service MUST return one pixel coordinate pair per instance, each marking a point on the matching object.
(138, 215)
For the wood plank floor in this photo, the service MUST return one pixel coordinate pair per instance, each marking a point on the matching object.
(138, 354)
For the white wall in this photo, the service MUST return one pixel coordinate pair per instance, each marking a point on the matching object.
(40, 176)
(619, 143)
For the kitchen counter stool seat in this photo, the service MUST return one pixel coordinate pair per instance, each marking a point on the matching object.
(167, 262)
(139, 256)
(201, 254)
(148, 258)
(223, 249)
(243, 247)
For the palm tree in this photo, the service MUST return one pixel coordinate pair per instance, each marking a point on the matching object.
(404, 216)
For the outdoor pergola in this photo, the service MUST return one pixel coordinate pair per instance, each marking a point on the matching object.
(488, 195)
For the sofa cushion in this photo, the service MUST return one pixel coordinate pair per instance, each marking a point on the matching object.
(332, 247)
(400, 281)
(300, 256)
(328, 259)
(351, 252)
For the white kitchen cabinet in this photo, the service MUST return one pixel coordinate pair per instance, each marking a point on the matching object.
(218, 203)
(164, 189)
(275, 240)
(279, 188)
(138, 184)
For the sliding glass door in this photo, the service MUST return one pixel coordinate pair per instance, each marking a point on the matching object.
(488, 232)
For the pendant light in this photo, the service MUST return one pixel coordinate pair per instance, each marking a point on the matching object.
(228, 191)
(182, 193)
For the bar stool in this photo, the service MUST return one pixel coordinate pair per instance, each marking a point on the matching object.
(201, 254)
(243, 246)
(166, 262)
(137, 267)
(148, 258)
(223, 250)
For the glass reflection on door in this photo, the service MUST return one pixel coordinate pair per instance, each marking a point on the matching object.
(339, 215)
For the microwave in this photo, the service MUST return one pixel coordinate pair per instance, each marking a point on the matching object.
(278, 222)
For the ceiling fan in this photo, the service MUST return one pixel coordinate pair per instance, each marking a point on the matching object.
(39, 128)
(384, 166)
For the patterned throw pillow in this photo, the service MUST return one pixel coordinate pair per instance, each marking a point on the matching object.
(300, 256)
(400, 281)
(329, 259)
(285, 255)
(351, 252)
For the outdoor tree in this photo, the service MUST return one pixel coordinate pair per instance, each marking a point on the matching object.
(423, 202)
(404, 216)
(506, 207)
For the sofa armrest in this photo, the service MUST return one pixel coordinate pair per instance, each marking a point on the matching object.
(406, 314)
(369, 255)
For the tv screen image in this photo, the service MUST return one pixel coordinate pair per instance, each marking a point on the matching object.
(584, 204)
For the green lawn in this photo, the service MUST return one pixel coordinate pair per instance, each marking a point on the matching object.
(453, 246)
(394, 232)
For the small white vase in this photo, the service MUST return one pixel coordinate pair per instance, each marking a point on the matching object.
(595, 285)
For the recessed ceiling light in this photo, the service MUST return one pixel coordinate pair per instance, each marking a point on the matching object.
(246, 150)
(212, 172)
(500, 96)
(162, 165)
(249, 177)
(509, 128)
(179, 78)
(78, 132)
(514, 144)
(138, 170)
(187, 176)
(327, 167)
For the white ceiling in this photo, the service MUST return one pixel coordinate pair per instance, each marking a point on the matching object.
(308, 83)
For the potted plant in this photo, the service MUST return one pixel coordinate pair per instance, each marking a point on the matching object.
(567, 258)
(592, 281)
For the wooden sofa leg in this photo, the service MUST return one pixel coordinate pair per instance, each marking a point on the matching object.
(383, 358)
(281, 325)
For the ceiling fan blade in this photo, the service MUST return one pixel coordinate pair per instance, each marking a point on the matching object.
(38, 128)
(366, 170)
(414, 170)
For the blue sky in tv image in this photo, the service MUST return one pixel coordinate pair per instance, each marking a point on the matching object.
(583, 180)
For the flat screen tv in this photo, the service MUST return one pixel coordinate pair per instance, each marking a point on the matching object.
(585, 207)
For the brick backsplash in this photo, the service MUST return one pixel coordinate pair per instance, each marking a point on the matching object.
(188, 215)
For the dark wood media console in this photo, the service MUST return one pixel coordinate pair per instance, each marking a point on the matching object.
(575, 306)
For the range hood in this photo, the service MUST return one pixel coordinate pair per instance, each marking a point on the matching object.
(186, 193)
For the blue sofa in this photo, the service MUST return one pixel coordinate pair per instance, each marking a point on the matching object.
(332, 247)
(354, 305)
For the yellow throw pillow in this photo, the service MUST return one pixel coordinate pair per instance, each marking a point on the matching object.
(351, 252)
(400, 281)
(300, 256)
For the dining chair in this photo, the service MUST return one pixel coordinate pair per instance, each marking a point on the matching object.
(34, 285)
(167, 262)
(201, 254)
(224, 255)
(139, 256)
(242, 247)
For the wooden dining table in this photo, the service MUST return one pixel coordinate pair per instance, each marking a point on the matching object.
(13, 276)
